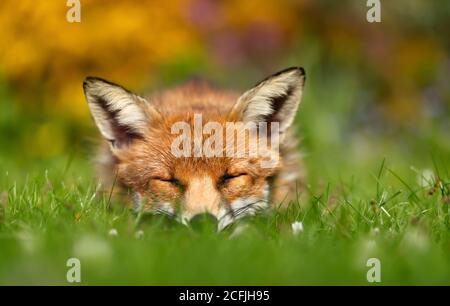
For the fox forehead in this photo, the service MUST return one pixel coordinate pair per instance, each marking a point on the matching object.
(183, 101)
(152, 154)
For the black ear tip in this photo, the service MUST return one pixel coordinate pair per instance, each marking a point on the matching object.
(299, 70)
(89, 81)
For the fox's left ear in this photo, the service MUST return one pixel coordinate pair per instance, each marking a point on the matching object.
(274, 99)
(120, 115)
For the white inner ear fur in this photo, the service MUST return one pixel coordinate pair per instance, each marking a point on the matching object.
(112, 105)
(257, 103)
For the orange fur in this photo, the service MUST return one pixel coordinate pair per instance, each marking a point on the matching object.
(199, 184)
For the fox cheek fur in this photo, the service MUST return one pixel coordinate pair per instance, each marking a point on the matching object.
(136, 155)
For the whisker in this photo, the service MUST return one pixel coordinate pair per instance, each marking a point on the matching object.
(238, 212)
(164, 212)
(255, 209)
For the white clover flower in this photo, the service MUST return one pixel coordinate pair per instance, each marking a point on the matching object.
(366, 248)
(92, 248)
(416, 238)
(139, 234)
(375, 231)
(113, 232)
(297, 227)
(29, 241)
(426, 178)
(239, 230)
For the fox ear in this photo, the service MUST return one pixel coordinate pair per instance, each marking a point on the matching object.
(119, 114)
(275, 99)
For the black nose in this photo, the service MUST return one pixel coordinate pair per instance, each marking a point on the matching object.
(204, 222)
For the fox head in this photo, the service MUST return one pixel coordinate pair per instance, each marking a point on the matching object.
(142, 136)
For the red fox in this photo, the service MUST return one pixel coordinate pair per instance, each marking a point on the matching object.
(138, 151)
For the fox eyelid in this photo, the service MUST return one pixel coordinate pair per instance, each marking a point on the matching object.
(173, 181)
(226, 177)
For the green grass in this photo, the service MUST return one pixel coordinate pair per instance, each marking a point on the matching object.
(53, 215)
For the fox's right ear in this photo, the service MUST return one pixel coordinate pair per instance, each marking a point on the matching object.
(119, 114)
(275, 99)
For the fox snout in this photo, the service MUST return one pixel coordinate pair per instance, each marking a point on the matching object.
(201, 196)
(204, 222)
(203, 204)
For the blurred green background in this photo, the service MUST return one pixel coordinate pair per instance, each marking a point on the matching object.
(376, 105)
(365, 80)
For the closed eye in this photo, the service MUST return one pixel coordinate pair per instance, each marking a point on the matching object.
(227, 177)
(172, 181)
